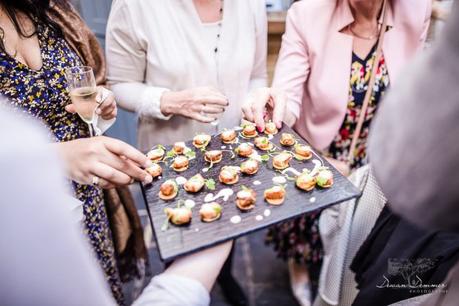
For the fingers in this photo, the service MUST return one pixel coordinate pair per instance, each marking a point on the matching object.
(258, 116)
(127, 167)
(70, 108)
(111, 175)
(215, 99)
(208, 109)
(123, 149)
(202, 118)
(107, 108)
(279, 101)
(247, 113)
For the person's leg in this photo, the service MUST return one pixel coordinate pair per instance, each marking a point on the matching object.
(231, 289)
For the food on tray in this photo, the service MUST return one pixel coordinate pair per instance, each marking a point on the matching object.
(263, 143)
(250, 167)
(275, 195)
(229, 175)
(180, 163)
(282, 160)
(210, 212)
(214, 156)
(303, 152)
(194, 184)
(178, 216)
(156, 154)
(228, 136)
(179, 147)
(168, 190)
(246, 199)
(154, 170)
(249, 131)
(324, 178)
(305, 181)
(270, 128)
(244, 149)
(287, 140)
(201, 140)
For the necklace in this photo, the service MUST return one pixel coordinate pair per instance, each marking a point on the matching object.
(360, 36)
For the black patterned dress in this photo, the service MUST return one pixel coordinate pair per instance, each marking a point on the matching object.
(43, 94)
(300, 238)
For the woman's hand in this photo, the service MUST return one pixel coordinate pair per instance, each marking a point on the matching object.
(202, 103)
(264, 104)
(107, 108)
(111, 161)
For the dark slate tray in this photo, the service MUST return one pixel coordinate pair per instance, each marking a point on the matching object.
(180, 240)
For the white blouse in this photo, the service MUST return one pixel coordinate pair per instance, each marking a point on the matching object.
(154, 46)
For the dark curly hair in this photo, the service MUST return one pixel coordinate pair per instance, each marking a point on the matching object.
(36, 10)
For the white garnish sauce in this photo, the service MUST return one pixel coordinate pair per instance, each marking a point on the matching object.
(180, 180)
(312, 200)
(223, 147)
(256, 183)
(205, 170)
(224, 193)
(190, 204)
(279, 180)
(292, 170)
(236, 219)
(259, 217)
(267, 213)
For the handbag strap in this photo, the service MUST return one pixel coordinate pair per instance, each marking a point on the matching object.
(371, 84)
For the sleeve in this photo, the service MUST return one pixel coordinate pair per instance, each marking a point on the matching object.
(259, 76)
(126, 59)
(292, 68)
(413, 144)
(173, 290)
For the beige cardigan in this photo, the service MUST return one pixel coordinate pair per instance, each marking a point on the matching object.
(153, 46)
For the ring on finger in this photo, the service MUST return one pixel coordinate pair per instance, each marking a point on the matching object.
(95, 180)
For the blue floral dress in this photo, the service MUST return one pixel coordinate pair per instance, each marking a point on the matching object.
(43, 94)
(300, 238)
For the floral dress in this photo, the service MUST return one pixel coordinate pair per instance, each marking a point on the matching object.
(43, 94)
(300, 239)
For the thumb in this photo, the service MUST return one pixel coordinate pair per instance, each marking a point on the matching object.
(70, 108)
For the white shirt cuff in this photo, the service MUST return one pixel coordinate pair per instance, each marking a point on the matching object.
(150, 103)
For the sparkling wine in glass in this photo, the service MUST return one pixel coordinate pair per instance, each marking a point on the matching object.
(83, 92)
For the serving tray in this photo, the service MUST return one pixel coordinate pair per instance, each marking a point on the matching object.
(175, 241)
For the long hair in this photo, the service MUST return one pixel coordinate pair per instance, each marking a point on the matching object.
(35, 10)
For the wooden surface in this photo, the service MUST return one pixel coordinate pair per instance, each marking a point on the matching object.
(181, 240)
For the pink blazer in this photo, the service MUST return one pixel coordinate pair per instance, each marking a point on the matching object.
(314, 64)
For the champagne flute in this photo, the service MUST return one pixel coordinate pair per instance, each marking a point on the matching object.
(83, 92)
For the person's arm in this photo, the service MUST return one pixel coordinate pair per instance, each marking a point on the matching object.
(259, 76)
(112, 161)
(188, 281)
(127, 62)
(44, 258)
(413, 146)
(292, 70)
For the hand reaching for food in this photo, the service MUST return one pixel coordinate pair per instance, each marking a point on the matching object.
(203, 104)
(267, 104)
(103, 161)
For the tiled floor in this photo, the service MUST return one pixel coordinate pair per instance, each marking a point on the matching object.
(261, 274)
